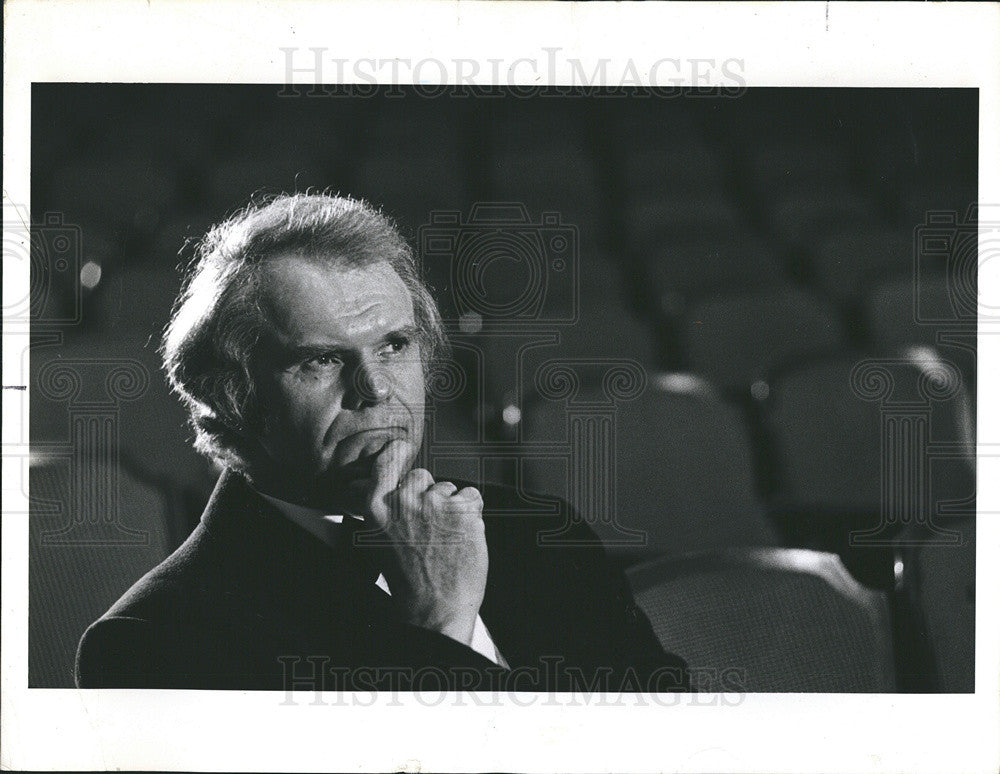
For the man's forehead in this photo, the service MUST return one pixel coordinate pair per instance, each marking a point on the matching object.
(311, 295)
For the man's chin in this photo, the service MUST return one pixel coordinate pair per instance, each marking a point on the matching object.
(360, 449)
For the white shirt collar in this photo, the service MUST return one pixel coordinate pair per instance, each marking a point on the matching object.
(315, 521)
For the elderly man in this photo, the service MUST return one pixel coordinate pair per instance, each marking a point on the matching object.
(300, 345)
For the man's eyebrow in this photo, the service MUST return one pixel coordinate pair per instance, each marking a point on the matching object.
(297, 352)
(301, 352)
(404, 332)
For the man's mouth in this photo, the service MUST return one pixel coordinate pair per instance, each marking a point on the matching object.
(356, 452)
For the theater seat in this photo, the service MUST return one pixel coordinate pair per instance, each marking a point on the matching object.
(605, 330)
(230, 184)
(662, 166)
(409, 189)
(127, 193)
(678, 459)
(846, 262)
(650, 220)
(827, 431)
(780, 166)
(937, 577)
(562, 180)
(151, 426)
(933, 310)
(799, 217)
(901, 311)
(768, 620)
(734, 339)
(75, 575)
(841, 455)
(686, 267)
(916, 200)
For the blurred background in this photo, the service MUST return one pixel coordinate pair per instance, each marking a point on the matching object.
(782, 283)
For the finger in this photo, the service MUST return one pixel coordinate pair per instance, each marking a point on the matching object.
(445, 488)
(469, 494)
(417, 481)
(413, 487)
(355, 497)
(387, 470)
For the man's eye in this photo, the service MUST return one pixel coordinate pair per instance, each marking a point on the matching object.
(326, 360)
(395, 347)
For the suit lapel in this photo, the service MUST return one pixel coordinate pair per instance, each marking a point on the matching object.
(290, 582)
(299, 589)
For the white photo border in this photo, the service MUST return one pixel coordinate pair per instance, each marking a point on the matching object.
(774, 44)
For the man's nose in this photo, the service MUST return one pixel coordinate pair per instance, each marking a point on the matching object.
(371, 386)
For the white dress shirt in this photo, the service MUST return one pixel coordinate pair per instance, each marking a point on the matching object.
(324, 526)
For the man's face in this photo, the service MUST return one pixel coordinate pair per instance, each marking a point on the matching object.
(339, 376)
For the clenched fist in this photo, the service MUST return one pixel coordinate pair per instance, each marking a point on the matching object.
(435, 558)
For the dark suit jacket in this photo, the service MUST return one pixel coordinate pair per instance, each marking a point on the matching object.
(252, 601)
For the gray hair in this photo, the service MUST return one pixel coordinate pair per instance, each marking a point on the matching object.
(217, 320)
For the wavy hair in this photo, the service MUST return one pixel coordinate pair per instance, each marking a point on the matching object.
(217, 321)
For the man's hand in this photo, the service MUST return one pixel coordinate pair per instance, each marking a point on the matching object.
(437, 562)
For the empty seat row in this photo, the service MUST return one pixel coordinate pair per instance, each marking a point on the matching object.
(577, 304)
(846, 445)
(139, 193)
(736, 339)
(733, 338)
(760, 620)
(936, 575)
(83, 555)
(857, 435)
(779, 619)
(669, 471)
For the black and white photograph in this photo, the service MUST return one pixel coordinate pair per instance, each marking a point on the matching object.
(678, 353)
(558, 393)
